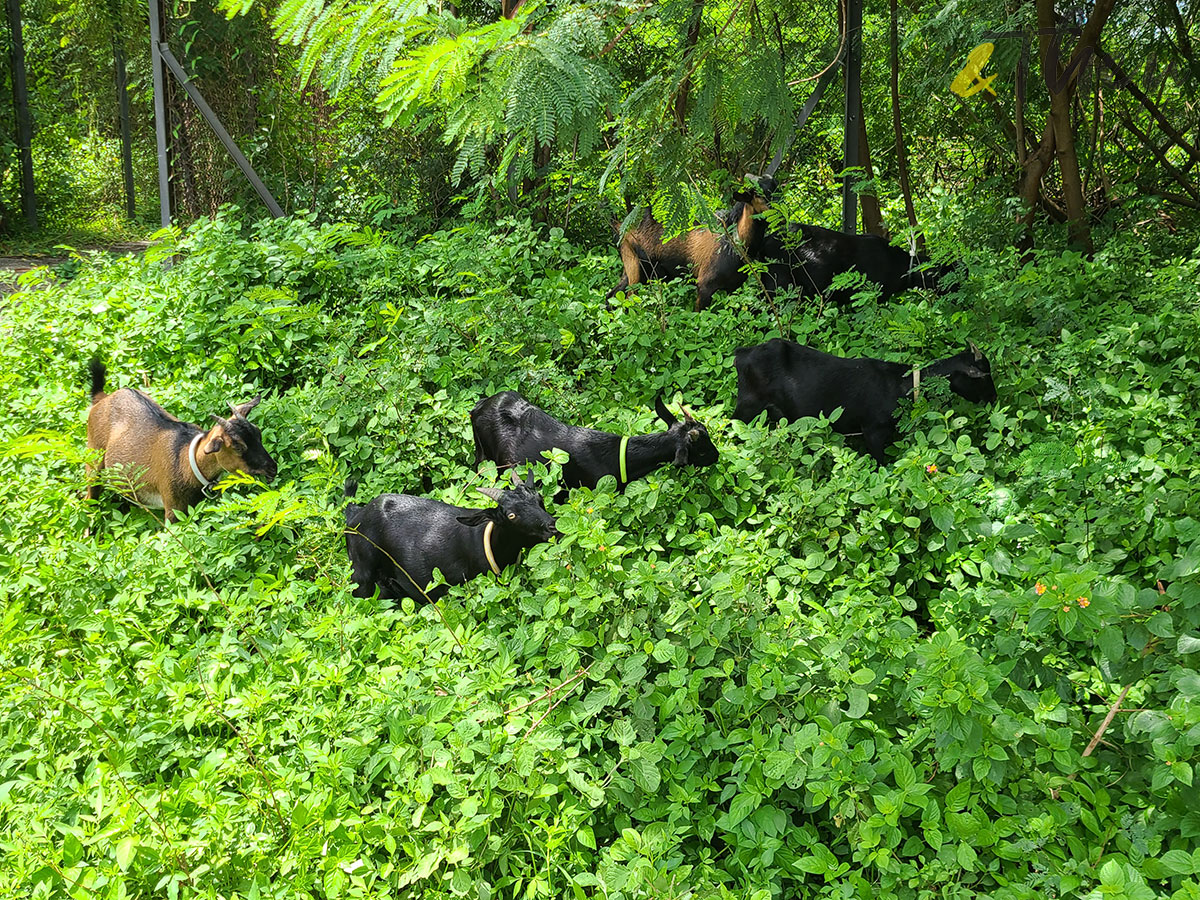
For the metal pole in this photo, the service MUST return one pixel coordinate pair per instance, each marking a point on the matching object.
(809, 105)
(850, 158)
(24, 121)
(123, 112)
(215, 124)
(160, 115)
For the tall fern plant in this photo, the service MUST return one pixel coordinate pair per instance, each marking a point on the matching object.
(644, 93)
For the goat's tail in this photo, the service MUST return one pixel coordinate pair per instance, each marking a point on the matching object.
(99, 373)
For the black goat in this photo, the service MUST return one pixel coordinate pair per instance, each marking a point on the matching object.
(791, 381)
(396, 541)
(712, 255)
(510, 430)
(810, 257)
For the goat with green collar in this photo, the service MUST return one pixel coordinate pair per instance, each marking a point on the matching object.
(509, 430)
(170, 464)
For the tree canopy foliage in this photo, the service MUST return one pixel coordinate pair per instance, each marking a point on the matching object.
(580, 111)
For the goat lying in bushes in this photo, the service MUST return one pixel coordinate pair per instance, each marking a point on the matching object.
(791, 381)
(397, 540)
(811, 257)
(509, 430)
(169, 464)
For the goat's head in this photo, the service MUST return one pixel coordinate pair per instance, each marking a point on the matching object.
(971, 376)
(757, 192)
(520, 510)
(693, 446)
(238, 443)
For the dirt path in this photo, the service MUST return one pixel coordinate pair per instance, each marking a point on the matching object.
(13, 266)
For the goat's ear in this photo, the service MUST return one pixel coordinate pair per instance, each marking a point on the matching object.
(218, 441)
(663, 412)
(491, 493)
(243, 409)
(480, 518)
(529, 482)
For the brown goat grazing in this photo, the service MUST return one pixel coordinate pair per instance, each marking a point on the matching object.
(712, 255)
(170, 463)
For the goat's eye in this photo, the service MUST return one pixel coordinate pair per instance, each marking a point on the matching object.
(512, 515)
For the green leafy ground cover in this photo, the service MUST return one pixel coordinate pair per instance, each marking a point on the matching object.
(790, 675)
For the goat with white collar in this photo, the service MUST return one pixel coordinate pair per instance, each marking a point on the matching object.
(170, 464)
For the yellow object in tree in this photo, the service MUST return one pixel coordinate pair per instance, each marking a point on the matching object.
(970, 80)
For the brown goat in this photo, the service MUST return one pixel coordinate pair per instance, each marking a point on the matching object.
(169, 463)
(714, 258)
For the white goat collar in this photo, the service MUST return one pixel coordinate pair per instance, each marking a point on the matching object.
(204, 482)
(487, 546)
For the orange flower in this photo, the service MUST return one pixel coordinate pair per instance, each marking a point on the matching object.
(1084, 602)
(1039, 589)
(1066, 608)
(931, 468)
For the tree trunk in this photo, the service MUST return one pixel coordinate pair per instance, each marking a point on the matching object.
(685, 87)
(872, 216)
(901, 148)
(1058, 137)
(536, 187)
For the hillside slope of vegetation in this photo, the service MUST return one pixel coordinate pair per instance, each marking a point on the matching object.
(794, 674)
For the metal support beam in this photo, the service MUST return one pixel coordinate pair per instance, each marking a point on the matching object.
(219, 130)
(809, 105)
(160, 115)
(854, 11)
(24, 120)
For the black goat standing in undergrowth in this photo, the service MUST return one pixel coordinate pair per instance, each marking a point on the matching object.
(396, 540)
(791, 381)
(810, 257)
(510, 430)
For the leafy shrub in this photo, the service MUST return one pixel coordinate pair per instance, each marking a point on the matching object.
(792, 674)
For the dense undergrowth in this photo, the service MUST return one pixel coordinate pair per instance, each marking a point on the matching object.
(790, 675)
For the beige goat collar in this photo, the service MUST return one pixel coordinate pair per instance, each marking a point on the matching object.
(487, 546)
(204, 482)
(916, 384)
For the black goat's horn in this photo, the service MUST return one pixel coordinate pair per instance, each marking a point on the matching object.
(975, 350)
(663, 413)
(224, 423)
(243, 409)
